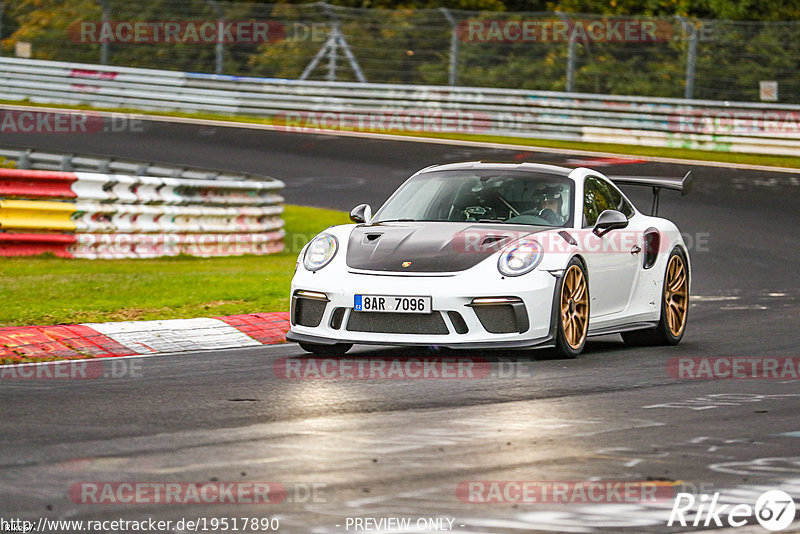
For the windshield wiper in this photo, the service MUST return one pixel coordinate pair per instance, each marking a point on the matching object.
(491, 221)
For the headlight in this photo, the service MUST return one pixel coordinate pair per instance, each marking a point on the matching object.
(320, 252)
(520, 258)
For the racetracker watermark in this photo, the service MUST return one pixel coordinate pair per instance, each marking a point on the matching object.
(422, 120)
(774, 510)
(736, 122)
(562, 31)
(563, 492)
(109, 245)
(479, 240)
(734, 368)
(119, 525)
(73, 370)
(488, 241)
(398, 368)
(172, 31)
(59, 122)
(182, 493)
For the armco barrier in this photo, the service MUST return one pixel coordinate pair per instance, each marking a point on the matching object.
(21, 244)
(93, 215)
(138, 218)
(35, 184)
(70, 162)
(40, 215)
(309, 106)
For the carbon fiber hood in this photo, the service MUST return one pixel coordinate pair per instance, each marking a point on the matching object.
(429, 247)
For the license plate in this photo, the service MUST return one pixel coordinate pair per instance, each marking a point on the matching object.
(391, 303)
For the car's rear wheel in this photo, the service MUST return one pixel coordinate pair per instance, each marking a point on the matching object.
(337, 349)
(674, 307)
(573, 316)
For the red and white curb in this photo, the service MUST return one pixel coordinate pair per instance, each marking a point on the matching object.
(129, 338)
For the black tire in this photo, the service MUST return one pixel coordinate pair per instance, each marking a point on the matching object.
(569, 344)
(664, 334)
(339, 349)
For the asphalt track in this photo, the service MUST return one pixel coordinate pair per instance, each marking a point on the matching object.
(400, 448)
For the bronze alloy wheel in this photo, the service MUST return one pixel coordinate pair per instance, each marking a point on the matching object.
(674, 306)
(574, 307)
(676, 292)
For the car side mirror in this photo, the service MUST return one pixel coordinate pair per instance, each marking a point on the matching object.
(361, 214)
(609, 220)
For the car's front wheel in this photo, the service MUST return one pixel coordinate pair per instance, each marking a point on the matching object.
(573, 316)
(337, 349)
(674, 307)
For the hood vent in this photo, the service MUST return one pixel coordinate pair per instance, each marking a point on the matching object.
(493, 240)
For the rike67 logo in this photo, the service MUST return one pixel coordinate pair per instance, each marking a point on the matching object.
(774, 510)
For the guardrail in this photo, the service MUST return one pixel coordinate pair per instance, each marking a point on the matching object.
(310, 106)
(60, 161)
(93, 215)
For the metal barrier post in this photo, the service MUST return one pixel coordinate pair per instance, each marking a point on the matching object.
(106, 18)
(452, 77)
(570, 54)
(220, 45)
(1, 26)
(691, 56)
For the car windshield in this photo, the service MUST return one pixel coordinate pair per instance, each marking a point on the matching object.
(482, 195)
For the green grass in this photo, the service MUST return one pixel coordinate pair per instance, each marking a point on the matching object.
(49, 290)
(634, 150)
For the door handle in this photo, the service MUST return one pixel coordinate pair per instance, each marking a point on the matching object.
(636, 249)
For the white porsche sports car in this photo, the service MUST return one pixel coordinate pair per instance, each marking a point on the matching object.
(496, 255)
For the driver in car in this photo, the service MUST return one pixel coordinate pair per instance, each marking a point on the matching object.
(547, 202)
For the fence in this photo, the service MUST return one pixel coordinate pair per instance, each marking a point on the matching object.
(92, 215)
(309, 106)
(546, 51)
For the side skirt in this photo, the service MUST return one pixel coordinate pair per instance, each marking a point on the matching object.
(623, 328)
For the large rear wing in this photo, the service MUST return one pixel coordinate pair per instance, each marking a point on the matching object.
(684, 185)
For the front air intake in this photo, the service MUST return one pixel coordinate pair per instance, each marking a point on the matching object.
(336, 318)
(501, 315)
(397, 323)
(458, 322)
(308, 308)
(498, 319)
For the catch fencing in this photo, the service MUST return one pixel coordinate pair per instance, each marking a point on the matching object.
(92, 215)
(656, 56)
(309, 106)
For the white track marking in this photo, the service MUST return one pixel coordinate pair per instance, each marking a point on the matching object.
(175, 335)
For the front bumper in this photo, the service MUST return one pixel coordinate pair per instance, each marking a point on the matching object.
(525, 320)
